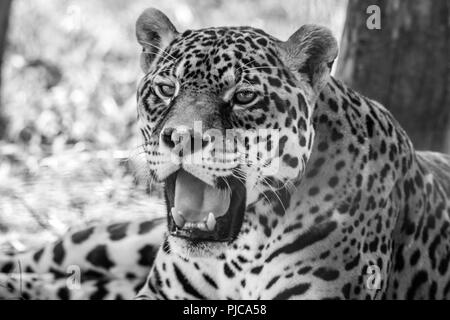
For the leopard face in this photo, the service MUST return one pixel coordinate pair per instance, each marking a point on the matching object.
(226, 116)
(369, 218)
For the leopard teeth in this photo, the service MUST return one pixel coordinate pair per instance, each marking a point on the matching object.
(196, 225)
(178, 218)
(211, 222)
(208, 224)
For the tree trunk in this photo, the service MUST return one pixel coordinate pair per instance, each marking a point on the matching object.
(405, 65)
(5, 8)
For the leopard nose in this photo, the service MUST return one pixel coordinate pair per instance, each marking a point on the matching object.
(183, 140)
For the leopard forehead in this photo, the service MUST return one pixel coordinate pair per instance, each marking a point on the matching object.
(216, 57)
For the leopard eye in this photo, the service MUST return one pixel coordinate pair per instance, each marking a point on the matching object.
(165, 91)
(244, 97)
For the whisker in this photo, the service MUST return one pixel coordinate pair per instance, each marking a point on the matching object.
(267, 184)
(274, 191)
(165, 69)
(166, 247)
(164, 58)
(160, 49)
(244, 65)
(258, 189)
(228, 185)
(266, 67)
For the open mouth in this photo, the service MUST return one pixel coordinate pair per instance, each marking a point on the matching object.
(200, 212)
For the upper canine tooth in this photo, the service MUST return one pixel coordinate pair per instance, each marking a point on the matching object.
(211, 221)
(178, 218)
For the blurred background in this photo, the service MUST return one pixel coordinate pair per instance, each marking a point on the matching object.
(69, 145)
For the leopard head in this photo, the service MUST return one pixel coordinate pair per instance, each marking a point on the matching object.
(226, 116)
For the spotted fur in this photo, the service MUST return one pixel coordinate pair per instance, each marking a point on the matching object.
(354, 212)
(99, 262)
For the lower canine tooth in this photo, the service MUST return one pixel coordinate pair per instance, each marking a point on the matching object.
(211, 222)
(178, 218)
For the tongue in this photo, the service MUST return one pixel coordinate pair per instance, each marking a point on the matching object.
(196, 199)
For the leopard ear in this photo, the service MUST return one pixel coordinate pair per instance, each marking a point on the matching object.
(154, 32)
(311, 51)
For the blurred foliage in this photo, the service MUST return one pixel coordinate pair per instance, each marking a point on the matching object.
(70, 76)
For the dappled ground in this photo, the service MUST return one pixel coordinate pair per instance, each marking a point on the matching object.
(71, 156)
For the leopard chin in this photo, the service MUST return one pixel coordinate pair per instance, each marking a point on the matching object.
(204, 219)
(186, 248)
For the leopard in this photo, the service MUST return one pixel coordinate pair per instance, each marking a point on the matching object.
(280, 182)
(108, 261)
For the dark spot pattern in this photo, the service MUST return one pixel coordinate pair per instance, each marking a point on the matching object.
(99, 257)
